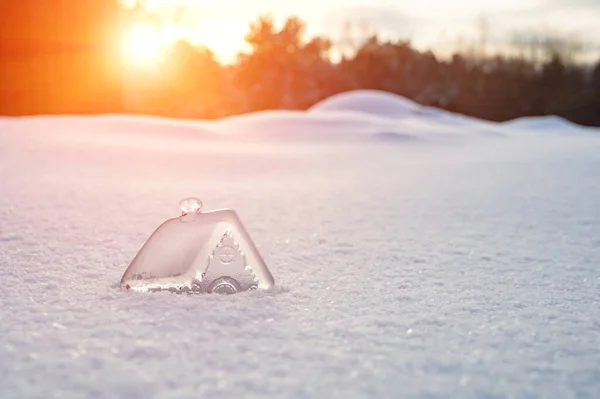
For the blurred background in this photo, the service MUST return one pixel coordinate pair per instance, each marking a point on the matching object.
(211, 59)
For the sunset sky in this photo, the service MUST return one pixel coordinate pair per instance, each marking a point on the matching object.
(436, 24)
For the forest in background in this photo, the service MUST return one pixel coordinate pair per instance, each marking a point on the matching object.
(61, 57)
(284, 71)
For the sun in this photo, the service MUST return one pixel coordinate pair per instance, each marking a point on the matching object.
(142, 45)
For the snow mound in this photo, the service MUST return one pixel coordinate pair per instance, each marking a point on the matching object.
(373, 102)
(420, 271)
(548, 123)
(301, 125)
(115, 123)
(276, 125)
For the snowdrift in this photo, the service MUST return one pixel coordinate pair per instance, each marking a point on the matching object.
(372, 102)
(547, 124)
(361, 115)
(402, 270)
(351, 116)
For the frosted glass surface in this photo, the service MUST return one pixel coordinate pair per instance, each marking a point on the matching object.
(203, 252)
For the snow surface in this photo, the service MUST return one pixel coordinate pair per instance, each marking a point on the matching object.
(371, 102)
(414, 256)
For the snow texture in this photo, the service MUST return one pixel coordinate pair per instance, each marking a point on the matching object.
(421, 255)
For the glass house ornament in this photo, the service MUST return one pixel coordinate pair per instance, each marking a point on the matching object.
(199, 252)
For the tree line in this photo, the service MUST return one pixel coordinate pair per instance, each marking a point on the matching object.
(282, 70)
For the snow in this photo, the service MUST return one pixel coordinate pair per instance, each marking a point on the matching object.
(460, 263)
(371, 102)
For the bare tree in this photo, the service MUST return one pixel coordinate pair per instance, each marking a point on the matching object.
(353, 34)
(540, 46)
(483, 30)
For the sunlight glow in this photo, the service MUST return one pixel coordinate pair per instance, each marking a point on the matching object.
(143, 45)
